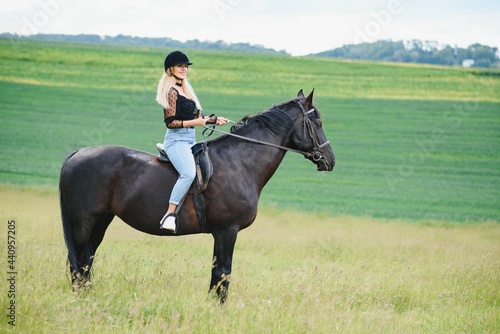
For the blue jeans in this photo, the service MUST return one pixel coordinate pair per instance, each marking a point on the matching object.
(177, 144)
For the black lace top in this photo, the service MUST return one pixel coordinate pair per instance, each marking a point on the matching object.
(181, 109)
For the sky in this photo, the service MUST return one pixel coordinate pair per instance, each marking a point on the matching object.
(299, 27)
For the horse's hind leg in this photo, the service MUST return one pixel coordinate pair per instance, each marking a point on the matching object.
(86, 247)
(80, 269)
(100, 229)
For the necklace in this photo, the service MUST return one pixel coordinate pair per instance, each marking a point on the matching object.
(178, 84)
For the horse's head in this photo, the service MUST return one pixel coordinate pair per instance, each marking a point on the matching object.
(309, 135)
(298, 122)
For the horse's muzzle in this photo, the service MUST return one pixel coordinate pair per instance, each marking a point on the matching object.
(323, 163)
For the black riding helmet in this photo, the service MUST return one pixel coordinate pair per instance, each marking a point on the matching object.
(176, 58)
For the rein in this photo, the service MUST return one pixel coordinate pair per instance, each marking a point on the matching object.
(315, 154)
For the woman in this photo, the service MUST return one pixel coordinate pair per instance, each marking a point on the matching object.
(182, 112)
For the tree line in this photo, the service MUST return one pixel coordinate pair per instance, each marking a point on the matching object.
(416, 51)
(413, 51)
(165, 42)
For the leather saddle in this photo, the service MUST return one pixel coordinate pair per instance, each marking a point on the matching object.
(204, 166)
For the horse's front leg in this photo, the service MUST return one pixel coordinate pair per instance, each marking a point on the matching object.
(224, 241)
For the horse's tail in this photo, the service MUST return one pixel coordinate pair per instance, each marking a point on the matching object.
(66, 223)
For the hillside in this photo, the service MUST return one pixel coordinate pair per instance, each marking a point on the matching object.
(165, 42)
(412, 141)
(411, 51)
(415, 51)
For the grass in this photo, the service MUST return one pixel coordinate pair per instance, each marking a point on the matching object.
(134, 68)
(292, 273)
(412, 142)
(330, 274)
(403, 237)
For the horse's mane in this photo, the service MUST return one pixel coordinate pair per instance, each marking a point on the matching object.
(273, 120)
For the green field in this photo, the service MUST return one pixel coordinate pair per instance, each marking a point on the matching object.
(332, 275)
(402, 237)
(412, 142)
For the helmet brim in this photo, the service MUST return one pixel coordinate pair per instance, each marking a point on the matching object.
(182, 63)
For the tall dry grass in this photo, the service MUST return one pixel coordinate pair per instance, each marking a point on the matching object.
(292, 273)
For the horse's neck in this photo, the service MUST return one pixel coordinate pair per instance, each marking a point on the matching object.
(256, 162)
(263, 162)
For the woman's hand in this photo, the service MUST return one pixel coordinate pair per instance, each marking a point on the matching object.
(222, 120)
(201, 121)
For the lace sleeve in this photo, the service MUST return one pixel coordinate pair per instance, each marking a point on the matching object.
(170, 113)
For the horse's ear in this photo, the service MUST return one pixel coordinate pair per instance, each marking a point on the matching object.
(309, 99)
(300, 94)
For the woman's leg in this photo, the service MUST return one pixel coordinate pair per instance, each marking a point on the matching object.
(178, 145)
(181, 157)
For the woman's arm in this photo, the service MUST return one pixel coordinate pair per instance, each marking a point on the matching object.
(169, 114)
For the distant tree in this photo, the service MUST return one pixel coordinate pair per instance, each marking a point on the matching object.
(417, 51)
(165, 42)
(484, 56)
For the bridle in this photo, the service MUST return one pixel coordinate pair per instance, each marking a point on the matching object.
(308, 128)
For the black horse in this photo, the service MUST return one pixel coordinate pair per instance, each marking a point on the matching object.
(98, 183)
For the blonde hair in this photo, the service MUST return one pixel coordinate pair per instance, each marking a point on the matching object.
(166, 82)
